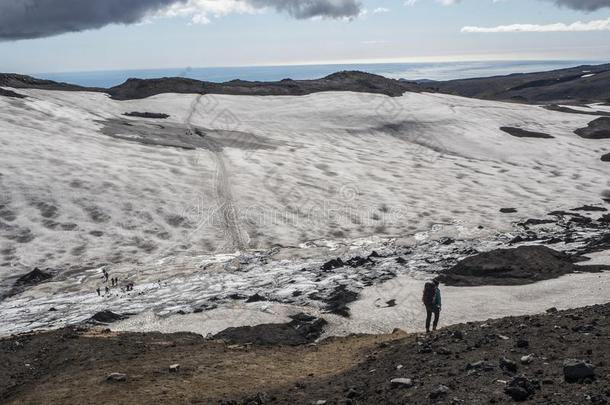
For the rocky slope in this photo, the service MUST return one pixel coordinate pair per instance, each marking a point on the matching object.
(553, 358)
(581, 84)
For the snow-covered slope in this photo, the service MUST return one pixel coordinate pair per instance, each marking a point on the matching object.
(83, 186)
(334, 165)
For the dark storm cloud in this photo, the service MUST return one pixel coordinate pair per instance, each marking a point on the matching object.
(313, 8)
(25, 19)
(588, 5)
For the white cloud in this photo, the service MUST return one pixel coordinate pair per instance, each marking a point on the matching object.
(579, 26)
(379, 10)
(200, 11)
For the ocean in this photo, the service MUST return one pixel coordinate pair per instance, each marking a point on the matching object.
(411, 71)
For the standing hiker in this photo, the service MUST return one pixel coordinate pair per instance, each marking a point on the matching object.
(432, 300)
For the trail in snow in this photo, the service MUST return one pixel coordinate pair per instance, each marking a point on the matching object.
(236, 239)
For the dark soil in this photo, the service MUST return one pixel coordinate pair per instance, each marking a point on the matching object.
(563, 109)
(522, 133)
(301, 330)
(476, 363)
(597, 129)
(9, 93)
(518, 266)
(337, 301)
(590, 208)
(160, 116)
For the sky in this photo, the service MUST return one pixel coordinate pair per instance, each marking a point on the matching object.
(82, 35)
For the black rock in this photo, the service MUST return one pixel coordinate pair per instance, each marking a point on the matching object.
(597, 129)
(332, 264)
(508, 210)
(256, 298)
(147, 115)
(353, 393)
(577, 370)
(522, 133)
(522, 343)
(590, 208)
(446, 241)
(34, 277)
(521, 388)
(583, 328)
(106, 317)
(457, 334)
(336, 302)
(508, 365)
(301, 330)
(517, 266)
(10, 93)
(535, 221)
(357, 261)
(439, 391)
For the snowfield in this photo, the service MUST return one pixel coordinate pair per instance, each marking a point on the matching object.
(244, 194)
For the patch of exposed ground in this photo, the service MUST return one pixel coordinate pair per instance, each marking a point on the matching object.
(475, 363)
(523, 133)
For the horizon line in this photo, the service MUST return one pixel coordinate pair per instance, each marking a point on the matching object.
(390, 61)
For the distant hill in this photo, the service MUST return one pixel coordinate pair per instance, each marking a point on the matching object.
(582, 84)
(342, 81)
(17, 81)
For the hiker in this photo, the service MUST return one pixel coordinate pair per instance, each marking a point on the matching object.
(432, 301)
(107, 290)
(99, 292)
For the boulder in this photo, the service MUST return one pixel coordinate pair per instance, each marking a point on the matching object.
(508, 210)
(507, 364)
(522, 343)
(440, 391)
(517, 266)
(303, 329)
(577, 370)
(332, 264)
(34, 277)
(105, 317)
(521, 388)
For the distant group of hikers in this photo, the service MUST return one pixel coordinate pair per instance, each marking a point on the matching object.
(432, 301)
(114, 282)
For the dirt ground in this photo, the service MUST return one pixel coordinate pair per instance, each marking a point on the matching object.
(70, 366)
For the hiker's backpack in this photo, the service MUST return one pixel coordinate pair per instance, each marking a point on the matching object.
(429, 293)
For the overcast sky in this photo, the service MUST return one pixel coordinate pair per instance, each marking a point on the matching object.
(77, 35)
